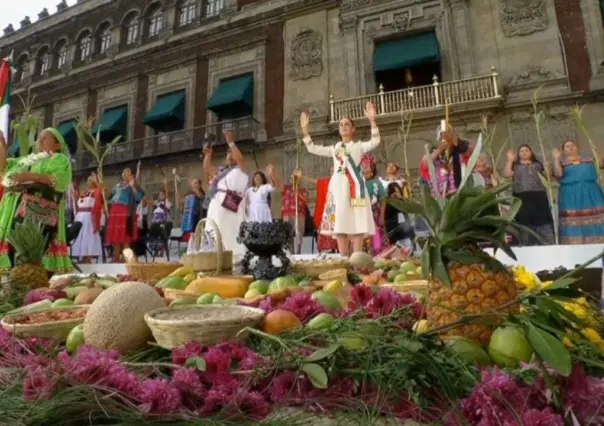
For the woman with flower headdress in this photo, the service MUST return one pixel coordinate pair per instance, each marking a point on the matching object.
(377, 195)
(447, 158)
(347, 215)
(580, 199)
(33, 190)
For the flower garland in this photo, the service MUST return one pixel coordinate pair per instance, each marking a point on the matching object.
(23, 164)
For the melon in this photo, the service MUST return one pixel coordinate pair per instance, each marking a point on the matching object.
(360, 259)
(115, 320)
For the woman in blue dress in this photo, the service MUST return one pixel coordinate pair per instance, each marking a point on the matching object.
(581, 201)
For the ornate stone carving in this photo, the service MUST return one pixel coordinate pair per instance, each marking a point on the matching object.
(306, 55)
(354, 4)
(401, 21)
(348, 23)
(371, 31)
(523, 17)
(532, 74)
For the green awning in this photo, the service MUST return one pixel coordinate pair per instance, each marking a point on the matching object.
(113, 123)
(406, 52)
(68, 130)
(233, 96)
(168, 113)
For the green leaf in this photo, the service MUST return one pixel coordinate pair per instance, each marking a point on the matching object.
(462, 257)
(433, 208)
(438, 266)
(316, 374)
(550, 350)
(514, 208)
(433, 177)
(196, 362)
(425, 258)
(322, 353)
(472, 161)
(407, 206)
(561, 283)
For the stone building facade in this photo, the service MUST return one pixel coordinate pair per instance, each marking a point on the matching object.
(409, 57)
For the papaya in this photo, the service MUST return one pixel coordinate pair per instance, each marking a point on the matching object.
(225, 287)
(182, 272)
(173, 282)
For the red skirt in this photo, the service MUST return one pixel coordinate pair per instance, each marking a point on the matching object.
(117, 226)
(186, 236)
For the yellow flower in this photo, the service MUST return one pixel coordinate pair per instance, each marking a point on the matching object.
(525, 278)
(592, 335)
(546, 284)
(566, 341)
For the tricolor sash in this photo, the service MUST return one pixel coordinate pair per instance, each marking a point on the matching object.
(356, 183)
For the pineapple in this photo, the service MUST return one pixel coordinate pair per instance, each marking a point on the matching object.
(30, 246)
(465, 280)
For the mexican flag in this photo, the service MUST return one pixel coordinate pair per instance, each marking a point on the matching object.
(5, 86)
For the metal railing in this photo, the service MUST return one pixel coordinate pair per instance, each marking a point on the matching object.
(417, 98)
(193, 139)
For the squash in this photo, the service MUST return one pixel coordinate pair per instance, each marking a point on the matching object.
(224, 286)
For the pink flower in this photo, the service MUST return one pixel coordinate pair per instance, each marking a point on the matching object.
(361, 295)
(188, 382)
(282, 386)
(545, 417)
(39, 383)
(159, 396)
(218, 397)
(190, 349)
(250, 405)
(303, 306)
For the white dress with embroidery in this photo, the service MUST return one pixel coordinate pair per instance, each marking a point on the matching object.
(258, 209)
(340, 215)
(228, 222)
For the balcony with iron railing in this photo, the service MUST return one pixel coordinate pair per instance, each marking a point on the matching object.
(246, 129)
(434, 96)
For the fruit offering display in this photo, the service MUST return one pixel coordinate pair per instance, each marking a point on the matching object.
(450, 338)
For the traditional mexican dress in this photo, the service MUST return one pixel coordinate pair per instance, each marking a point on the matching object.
(192, 213)
(449, 168)
(89, 213)
(348, 207)
(161, 211)
(229, 222)
(257, 199)
(324, 242)
(288, 209)
(122, 223)
(534, 212)
(581, 203)
(46, 206)
(377, 194)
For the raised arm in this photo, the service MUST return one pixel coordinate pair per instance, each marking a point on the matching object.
(375, 133)
(235, 153)
(558, 169)
(508, 170)
(322, 151)
(208, 168)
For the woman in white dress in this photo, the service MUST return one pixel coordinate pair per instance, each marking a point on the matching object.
(89, 213)
(224, 199)
(347, 215)
(258, 196)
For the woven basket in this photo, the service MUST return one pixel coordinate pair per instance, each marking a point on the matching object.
(205, 324)
(151, 271)
(336, 274)
(314, 268)
(49, 330)
(420, 286)
(209, 262)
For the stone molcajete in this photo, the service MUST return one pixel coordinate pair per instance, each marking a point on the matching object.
(265, 240)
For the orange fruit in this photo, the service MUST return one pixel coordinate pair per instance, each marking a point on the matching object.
(280, 320)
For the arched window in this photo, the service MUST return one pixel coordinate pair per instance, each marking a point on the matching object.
(22, 68)
(103, 38)
(131, 29)
(43, 61)
(84, 46)
(187, 12)
(61, 54)
(156, 21)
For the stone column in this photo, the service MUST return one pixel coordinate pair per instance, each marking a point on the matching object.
(349, 28)
(459, 27)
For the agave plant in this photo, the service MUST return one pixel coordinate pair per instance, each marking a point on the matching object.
(25, 128)
(92, 143)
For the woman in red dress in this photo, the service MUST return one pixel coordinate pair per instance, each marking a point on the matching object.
(122, 229)
(324, 242)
